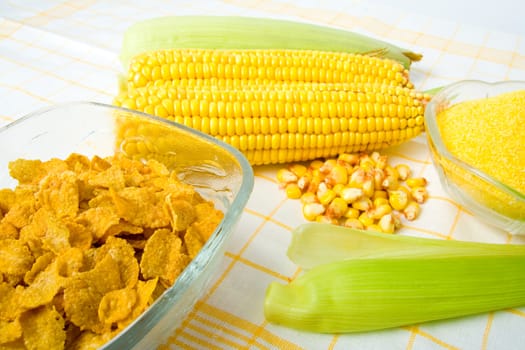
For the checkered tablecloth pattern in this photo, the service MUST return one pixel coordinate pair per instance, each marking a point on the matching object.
(58, 51)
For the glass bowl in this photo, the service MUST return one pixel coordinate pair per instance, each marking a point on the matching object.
(218, 171)
(485, 197)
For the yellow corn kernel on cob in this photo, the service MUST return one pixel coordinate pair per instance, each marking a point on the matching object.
(215, 84)
(264, 66)
(240, 32)
(288, 110)
(296, 124)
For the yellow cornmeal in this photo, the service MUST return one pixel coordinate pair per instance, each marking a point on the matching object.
(489, 134)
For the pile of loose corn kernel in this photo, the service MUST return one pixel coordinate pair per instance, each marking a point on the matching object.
(355, 190)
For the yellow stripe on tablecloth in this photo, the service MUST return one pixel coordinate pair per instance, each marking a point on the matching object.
(26, 92)
(59, 77)
(497, 56)
(432, 41)
(202, 344)
(8, 27)
(230, 324)
(518, 61)
(454, 224)
(205, 337)
(486, 333)
(218, 325)
(6, 118)
(108, 68)
(432, 234)
(516, 312)
(59, 11)
(416, 331)
(248, 262)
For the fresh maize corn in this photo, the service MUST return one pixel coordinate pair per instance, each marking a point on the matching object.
(298, 92)
(398, 199)
(412, 210)
(354, 223)
(293, 191)
(188, 87)
(366, 220)
(362, 101)
(337, 208)
(352, 213)
(263, 66)
(414, 182)
(313, 210)
(403, 171)
(238, 32)
(290, 124)
(387, 223)
(264, 85)
(346, 200)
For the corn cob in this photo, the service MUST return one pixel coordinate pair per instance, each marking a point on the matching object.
(289, 124)
(264, 66)
(237, 32)
(215, 84)
(347, 108)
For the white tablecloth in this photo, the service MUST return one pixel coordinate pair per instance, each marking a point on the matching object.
(58, 51)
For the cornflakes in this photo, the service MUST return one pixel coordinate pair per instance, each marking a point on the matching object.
(26, 171)
(20, 213)
(32, 233)
(194, 241)
(163, 257)
(116, 305)
(7, 230)
(99, 198)
(182, 213)
(38, 266)
(58, 192)
(98, 220)
(123, 228)
(56, 233)
(207, 219)
(86, 245)
(15, 257)
(99, 164)
(139, 206)
(10, 331)
(70, 262)
(179, 190)
(124, 254)
(10, 307)
(84, 291)
(79, 235)
(90, 341)
(78, 163)
(43, 329)
(112, 177)
(144, 290)
(7, 199)
(43, 289)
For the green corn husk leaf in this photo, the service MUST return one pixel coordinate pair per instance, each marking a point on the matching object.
(238, 32)
(363, 281)
(318, 243)
(359, 295)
